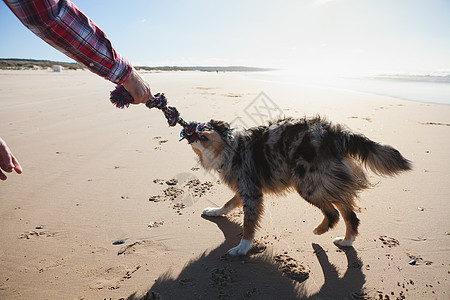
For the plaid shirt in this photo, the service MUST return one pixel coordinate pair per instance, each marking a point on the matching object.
(62, 25)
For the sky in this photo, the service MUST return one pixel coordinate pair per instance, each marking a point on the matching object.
(309, 36)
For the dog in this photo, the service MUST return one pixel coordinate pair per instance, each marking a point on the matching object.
(319, 160)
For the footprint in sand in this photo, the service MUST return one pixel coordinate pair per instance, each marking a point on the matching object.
(194, 188)
(388, 241)
(204, 88)
(155, 224)
(160, 141)
(291, 267)
(172, 181)
(222, 277)
(197, 188)
(147, 245)
(418, 259)
(97, 249)
(34, 234)
(171, 193)
(435, 123)
(362, 118)
(45, 265)
(113, 277)
(231, 95)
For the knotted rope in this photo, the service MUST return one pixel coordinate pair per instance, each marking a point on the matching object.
(192, 131)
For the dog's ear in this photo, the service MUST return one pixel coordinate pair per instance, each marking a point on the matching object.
(220, 127)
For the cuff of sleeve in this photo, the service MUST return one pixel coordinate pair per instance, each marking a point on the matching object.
(120, 71)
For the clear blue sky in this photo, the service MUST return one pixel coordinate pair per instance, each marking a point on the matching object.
(362, 36)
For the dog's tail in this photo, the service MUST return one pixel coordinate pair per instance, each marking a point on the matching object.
(381, 159)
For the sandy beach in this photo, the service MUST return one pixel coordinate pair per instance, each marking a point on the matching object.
(94, 175)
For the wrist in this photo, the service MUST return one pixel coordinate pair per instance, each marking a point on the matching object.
(137, 87)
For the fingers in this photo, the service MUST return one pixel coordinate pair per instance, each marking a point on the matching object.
(5, 161)
(17, 166)
(2, 176)
(8, 161)
(137, 87)
(6, 164)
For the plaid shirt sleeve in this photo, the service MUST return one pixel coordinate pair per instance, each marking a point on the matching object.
(62, 25)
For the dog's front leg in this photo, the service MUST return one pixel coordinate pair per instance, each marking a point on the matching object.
(253, 207)
(225, 209)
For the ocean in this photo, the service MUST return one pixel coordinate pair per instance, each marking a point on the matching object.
(420, 88)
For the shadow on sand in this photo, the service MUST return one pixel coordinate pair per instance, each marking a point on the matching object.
(258, 276)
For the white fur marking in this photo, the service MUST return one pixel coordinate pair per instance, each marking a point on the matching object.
(342, 242)
(241, 249)
(214, 211)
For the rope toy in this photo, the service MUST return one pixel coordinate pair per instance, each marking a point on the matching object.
(192, 131)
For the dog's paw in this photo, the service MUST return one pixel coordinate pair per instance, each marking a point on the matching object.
(342, 242)
(318, 230)
(241, 249)
(213, 211)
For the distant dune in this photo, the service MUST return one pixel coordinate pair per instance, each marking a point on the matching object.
(26, 64)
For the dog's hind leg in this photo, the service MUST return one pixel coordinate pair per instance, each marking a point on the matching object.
(330, 216)
(351, 225)
(310, 189)
(225, 209)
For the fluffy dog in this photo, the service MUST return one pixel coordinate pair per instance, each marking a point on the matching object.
(319, 160)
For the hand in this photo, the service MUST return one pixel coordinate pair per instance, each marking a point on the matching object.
(8, 162)
(137, 87)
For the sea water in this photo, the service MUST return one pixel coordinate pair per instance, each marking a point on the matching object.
(421, 88)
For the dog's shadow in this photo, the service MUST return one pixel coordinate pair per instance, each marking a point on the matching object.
(214, 275)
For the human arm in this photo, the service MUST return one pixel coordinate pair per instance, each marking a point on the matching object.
(8, 161)
(62, 25)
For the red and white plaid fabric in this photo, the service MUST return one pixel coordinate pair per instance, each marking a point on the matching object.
(62, 25)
